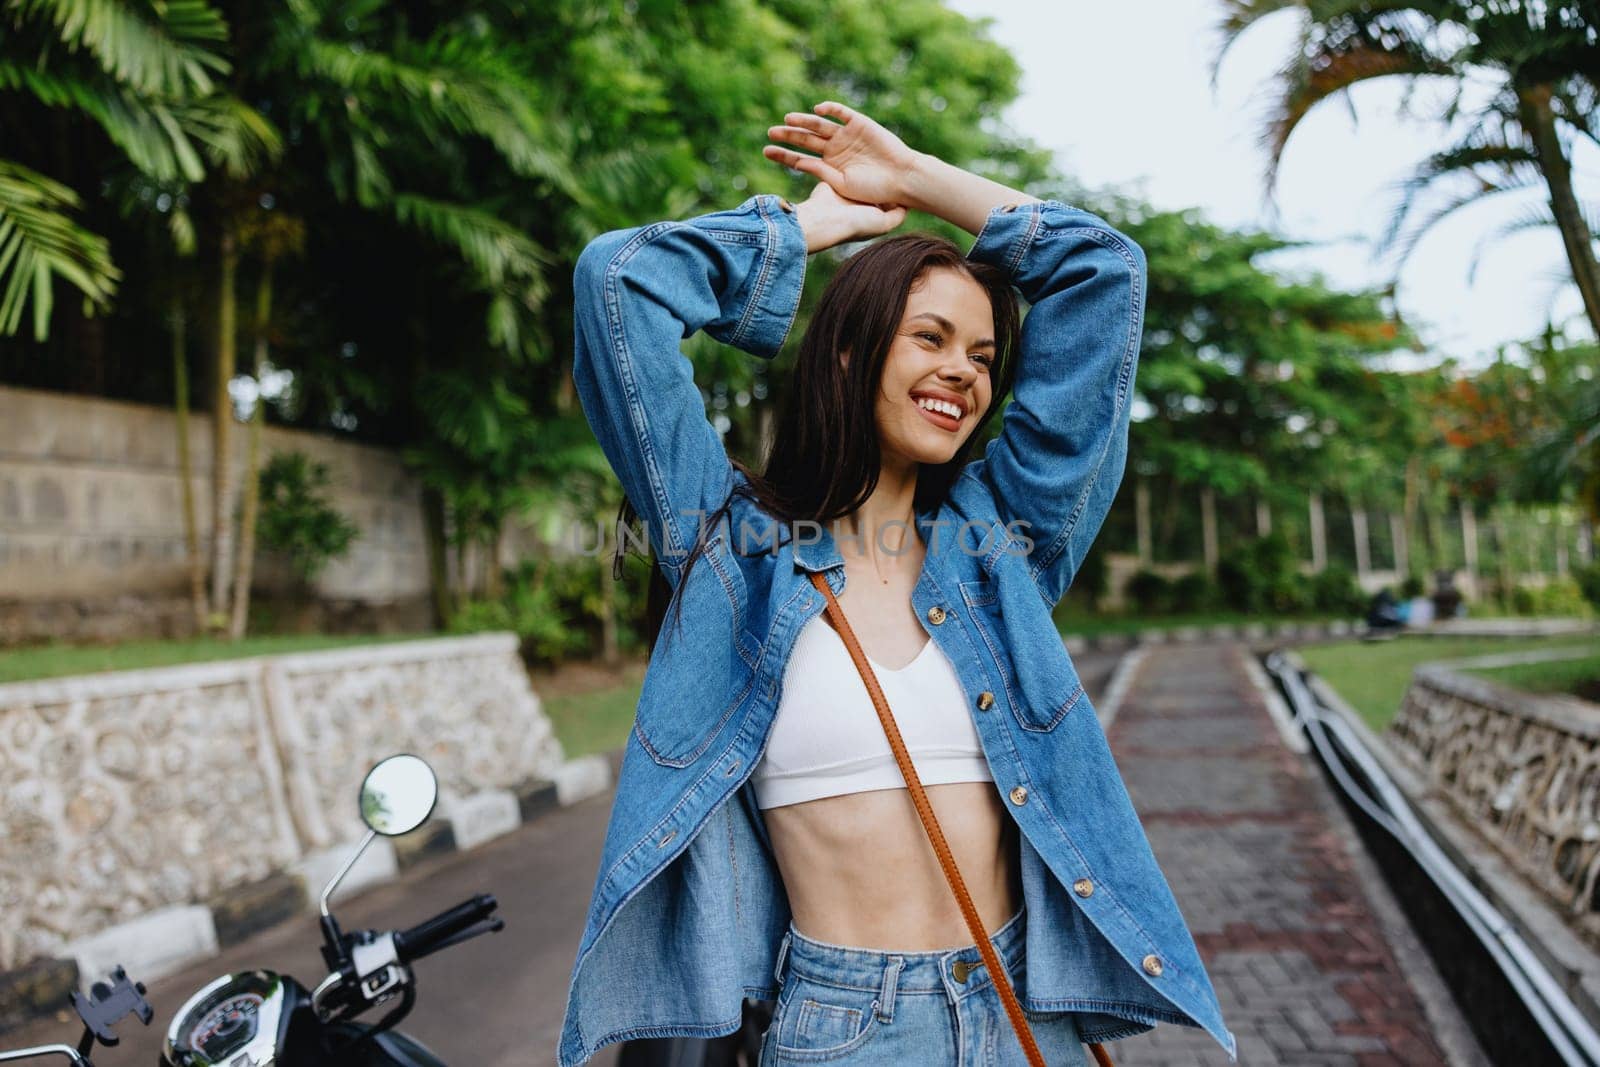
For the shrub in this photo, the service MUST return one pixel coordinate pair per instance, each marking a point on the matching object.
(1195, 592)
(1411, 587)
(1093, 579)
(1262, 576)
(295, 517)
(1335, 590)
(1588, 579)
(1150, 592)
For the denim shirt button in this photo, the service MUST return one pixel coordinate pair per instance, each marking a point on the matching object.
(936, 615)
(1019, 795)
(786, 205)
(985, 700)
(1083, 887)
(1009, 208)
(1152, 965)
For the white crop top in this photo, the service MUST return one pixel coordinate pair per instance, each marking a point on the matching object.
(827, 739)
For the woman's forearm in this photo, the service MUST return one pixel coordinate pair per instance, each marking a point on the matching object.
(958, 196)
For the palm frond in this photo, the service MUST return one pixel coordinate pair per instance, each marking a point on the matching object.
(40, 243)
(496, 250)
(157, 49)
(1518, 170)
(1536, 217)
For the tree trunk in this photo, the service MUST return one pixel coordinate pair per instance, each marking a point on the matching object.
(609, 646)
(493, 578)
(1263, 517)
(1208, 527)
(1533, 106)
(1141, 508)
(244, 571)
(1319, 535)
(438, 561)
(1469, 543)
(191, 522)
(223, 365)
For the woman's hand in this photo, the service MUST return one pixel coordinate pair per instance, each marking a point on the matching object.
(858, 157)
(828, 219)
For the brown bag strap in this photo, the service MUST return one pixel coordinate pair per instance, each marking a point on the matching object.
(936, 836)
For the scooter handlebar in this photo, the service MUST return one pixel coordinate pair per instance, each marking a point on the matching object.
(431, 934)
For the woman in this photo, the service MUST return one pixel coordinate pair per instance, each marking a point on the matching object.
(762, 843)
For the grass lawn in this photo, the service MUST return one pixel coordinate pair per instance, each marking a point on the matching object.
(1571, 676)
(1085, 625)
(1373, 677)
(595, 721)
(55, 661)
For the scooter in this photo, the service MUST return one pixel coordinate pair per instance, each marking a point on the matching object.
(257, 1018)
(106, 1005)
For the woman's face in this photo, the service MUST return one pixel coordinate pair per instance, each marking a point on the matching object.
(940, 356)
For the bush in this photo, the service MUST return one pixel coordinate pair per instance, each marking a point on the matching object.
(1335, 590)
(1563, 598)
(1150, 592)
(1263, 577)
(1194, 593)
(556, 606)
(1093, 579)
(295, 517)
(1588, 579)
(1411, 587)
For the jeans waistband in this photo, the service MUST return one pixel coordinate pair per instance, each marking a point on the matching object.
(886, 971)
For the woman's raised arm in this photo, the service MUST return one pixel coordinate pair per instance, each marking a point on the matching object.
(863, 161)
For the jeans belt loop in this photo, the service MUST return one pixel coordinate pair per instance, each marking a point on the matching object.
(891, 982)
(783, 954)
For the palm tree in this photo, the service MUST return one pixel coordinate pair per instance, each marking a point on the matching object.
(1542, 57)
(147, 75)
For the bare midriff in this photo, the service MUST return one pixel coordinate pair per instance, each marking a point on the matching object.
(859, 869)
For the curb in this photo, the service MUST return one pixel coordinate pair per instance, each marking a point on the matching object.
(164, 941)
(1186, 635)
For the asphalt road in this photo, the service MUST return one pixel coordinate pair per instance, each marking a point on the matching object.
(495, 1001)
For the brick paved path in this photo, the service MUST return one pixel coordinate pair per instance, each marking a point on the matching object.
(1263, 870)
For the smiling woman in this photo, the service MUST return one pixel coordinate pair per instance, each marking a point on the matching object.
(763, 842)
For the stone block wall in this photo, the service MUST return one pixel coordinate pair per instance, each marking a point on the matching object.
(131, 792)
(91, 519)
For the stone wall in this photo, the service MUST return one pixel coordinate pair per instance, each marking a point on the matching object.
(131, 792)
(91, 519)
(1522, 769)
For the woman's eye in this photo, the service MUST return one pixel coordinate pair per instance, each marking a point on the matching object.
(985, 360)
(935, 338)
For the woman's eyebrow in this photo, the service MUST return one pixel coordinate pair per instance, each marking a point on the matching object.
(949, 327)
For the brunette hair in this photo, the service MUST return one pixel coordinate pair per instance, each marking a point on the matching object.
(825, 457)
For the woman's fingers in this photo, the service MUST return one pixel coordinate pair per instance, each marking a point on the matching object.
(805, 164)
(796, 135)
(836, 109)
(819, 126)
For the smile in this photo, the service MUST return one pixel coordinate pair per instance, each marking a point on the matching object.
(938, 412)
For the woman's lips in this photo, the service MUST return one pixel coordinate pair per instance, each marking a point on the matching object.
(939, 418)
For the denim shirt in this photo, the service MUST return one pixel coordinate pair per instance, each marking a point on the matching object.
(689, 908)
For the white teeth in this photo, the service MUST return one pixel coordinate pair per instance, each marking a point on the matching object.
(941, 406)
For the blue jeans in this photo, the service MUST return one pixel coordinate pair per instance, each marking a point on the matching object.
(866, 1007)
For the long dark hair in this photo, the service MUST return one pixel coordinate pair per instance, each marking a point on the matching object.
(825, 458)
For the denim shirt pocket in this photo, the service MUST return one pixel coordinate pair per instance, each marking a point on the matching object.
(698, 674)
(1041, 683)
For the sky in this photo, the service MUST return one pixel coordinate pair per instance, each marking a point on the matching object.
(1121, 93)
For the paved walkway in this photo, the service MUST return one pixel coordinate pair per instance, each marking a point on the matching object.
(1310, 959)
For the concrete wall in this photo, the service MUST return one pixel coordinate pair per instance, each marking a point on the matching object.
(91, 520)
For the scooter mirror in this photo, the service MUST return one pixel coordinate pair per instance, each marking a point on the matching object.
(398, 795)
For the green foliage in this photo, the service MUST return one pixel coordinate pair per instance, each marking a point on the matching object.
(1263, 576)
(1563, 599)
(1093, 580)
(1194, 593)
(296, 517)
(556, 606)
(1150, 593)
(1588, 579)
(1411, 587)
(1334, 589)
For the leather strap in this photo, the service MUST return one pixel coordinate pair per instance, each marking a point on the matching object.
(941, 848)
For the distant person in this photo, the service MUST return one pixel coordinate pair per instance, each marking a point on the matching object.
(762, 842)
(1383, 614)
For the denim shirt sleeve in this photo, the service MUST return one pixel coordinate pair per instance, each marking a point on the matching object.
(1063, 443)
(637, 293)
